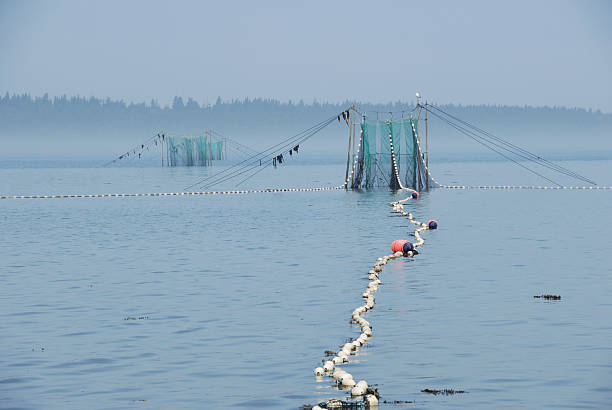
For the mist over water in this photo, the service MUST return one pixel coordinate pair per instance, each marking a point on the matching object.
(79, 128)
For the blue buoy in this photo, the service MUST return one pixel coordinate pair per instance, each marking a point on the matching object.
(432, 224)
(408, 247)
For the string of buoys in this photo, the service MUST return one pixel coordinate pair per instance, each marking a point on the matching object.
(164, 194)
(345, 380)
(532, 187)
(400, 248)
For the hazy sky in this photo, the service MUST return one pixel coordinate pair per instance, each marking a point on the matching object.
(507, 52)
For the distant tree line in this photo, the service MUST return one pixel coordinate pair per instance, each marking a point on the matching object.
(22, 114)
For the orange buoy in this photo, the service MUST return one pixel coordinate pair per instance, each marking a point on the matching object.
(398, 245)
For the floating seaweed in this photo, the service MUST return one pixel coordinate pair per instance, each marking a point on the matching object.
(548, 297)
(329, 353)
(399, 402)
(446, 392)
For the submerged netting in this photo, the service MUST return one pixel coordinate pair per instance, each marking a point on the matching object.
(375, 166)
(193, 151)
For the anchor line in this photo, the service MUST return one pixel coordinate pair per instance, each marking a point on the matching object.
(532, 187)
(253, 160)
(253, 174)
(134, 150)
(330, 368)
(530, 155)
(257, 162)
(489, 141)
(478, 140)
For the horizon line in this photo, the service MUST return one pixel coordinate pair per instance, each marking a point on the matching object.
(289, 102)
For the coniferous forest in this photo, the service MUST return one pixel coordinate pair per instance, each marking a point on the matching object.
(259, 121)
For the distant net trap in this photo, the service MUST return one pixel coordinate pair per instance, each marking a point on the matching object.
(179, 150)
(192, 151)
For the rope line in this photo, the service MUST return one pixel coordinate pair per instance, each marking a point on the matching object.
(344, 379)
(532, 187)
(487, 145)
(164, 194)
(235, 144)
(139, 147)
(253, 160)
(331, 367)
(525, 154)
(419, 153)
(257, 162)
(260, 161)
(489, 140)
(355, 158)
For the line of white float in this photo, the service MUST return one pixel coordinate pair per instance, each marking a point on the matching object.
(330, 368)
(159, 194)
(532, 187)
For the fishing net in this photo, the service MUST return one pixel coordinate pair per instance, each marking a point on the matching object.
(375, 166)
(193, 151)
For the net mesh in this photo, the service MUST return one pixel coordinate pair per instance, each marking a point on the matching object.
(375, 166)
(197, 151)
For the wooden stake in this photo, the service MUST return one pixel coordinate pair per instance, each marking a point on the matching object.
(348, 159)
(426, 146)
(353, 154)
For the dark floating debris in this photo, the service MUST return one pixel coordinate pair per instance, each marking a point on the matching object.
(548, 297)
(446, 392)
(373, 391)
(398, 402)
(136, 318)
(339, 405)
(370, 400)
(329, 353)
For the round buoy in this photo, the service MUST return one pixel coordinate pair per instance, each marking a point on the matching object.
(432, 224)
(415, 195)
(370, 401)
(407, 247)
(398, 245)
(338, 374)
(350, 383)
(329, 366)
(358, 391)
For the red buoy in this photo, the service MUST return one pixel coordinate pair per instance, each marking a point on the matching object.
(398, 245)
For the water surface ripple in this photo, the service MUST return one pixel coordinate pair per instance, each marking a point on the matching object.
(229, 302)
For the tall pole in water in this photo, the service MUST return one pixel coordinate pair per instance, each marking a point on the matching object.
(162, 149)
(353, 155)
(426, 147)
(348, 154)
(167, 152)
(418, 152)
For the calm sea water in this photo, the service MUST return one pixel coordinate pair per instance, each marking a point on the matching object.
(230, 301)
